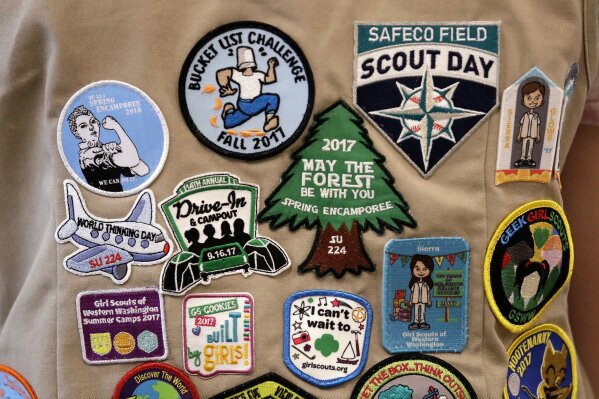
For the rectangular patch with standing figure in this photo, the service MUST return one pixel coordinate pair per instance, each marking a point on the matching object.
(531, 111)
(425, 295)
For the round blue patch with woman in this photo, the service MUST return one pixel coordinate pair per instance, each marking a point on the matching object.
(112, 138)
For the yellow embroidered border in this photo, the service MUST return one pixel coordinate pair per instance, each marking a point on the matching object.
(571, 350)
(489, 255)
(502, 177)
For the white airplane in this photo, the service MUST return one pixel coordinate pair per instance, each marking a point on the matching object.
(110, 246)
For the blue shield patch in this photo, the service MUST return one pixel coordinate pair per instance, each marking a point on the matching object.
(425, 87)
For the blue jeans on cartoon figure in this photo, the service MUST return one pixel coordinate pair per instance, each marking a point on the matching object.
(246, 109)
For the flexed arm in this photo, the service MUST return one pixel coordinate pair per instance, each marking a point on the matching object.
(223, 77)
(271, 73)
(127, 157)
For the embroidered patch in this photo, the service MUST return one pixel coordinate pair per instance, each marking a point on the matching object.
(425, 295)
(246, 90)
(413, 376)
(268, 386)
(529, 260)
(13, 385)
(327, 334)
(112, 138)
(109, 246)
(155, 380)
(338, 183)
(426, 86)
(542, 364)
(213, 219)
(218, 334)
(119, 326)
(531, 111)
(569, 85)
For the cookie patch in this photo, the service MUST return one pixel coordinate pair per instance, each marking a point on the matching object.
(327, 334)
(425, 295)
(531, 110)
(152, 380)
(213, 219)
(120, 326)
(218, 333)
(413, 376)
(337, 183)
(110, 246)
(112, 138)
(529, 260)
(542, 364)
(246, 90)
(13, 385)
(268, 386)
(426, 86)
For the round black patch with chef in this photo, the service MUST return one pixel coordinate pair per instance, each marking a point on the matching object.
(246, 90)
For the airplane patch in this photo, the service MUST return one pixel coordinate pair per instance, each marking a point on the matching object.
(213, 219)
(13, 385)
(426, 86)
(112, 138)
(268, 386)
(155, 380)
(326, 336)
(121, 326)
(218, 334)
(108, 246)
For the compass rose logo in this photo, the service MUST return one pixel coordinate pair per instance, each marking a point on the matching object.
(426, 114)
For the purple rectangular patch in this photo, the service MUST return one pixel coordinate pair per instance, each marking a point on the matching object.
(120, 326)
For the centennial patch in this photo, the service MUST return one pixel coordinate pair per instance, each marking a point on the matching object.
(542, 364)
(13, 385)
(246, 90)
(531, 111)
(569, 85)
(268, 386)
(327, 334)
(109, 246)
(426, 86)
(119, 326)
(529, 260)
(425, 295)
(155, 380)
(218, 334)
(337, 183)
(213, 219)
(112, 138)
(413, 376)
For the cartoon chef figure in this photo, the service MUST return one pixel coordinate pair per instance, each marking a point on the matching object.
(251, 100)
(533, 94)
